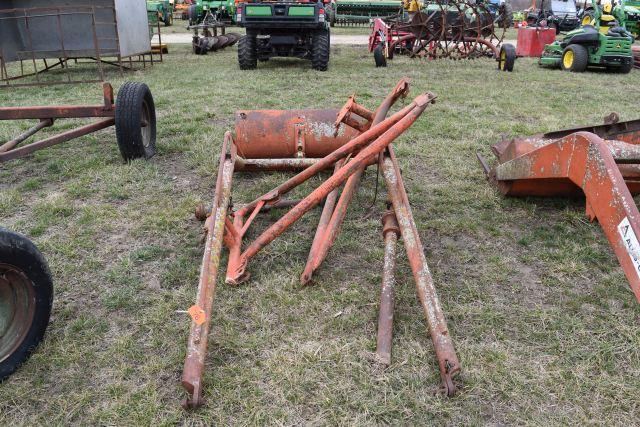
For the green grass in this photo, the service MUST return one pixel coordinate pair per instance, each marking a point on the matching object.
(540, 312)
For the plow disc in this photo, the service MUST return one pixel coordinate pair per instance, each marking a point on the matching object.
(311, 141)
(601, 162)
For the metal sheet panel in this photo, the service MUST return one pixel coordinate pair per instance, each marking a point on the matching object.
(52, 34)
(133, 27)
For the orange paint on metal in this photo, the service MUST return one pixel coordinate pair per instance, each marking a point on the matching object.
(271, 134)
(580, 162)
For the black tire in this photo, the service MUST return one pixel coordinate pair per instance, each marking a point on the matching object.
(332, 17)
(135, 121)
(507, 58)
(624, 69)
(320, 51)
(378, 56)
(168, 19)
(26, 296)
(248, 52)
(192, 14)
(506, 16)
(587, 18)
(580, 58)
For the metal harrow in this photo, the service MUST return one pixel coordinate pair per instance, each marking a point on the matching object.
(453, 29)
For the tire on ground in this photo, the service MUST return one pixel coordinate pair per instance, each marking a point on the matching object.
(580, 58)
(135, 121)
(23, 272)
(248, 52)
(320, 50)
(507, 57)
(378, 56)
(192, 14)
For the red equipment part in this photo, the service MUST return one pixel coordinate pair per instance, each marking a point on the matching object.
(532, 40)
(574, 161)
(372, 139)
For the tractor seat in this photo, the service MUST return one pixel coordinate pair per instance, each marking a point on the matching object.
(619, 32)
(590, 36)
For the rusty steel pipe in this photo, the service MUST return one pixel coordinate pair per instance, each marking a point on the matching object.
(325, 217)
(269, 165)
(56, 139)
(199, 332)
(10, 145)
(390, 232)
(329, 160)
(333, 229)
(443, 345)
(237, 265)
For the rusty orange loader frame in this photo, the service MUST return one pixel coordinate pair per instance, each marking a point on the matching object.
(342, 142)
(601, 162)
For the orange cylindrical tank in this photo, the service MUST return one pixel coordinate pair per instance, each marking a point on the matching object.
(278, 134)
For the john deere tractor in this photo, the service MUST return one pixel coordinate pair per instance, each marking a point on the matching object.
(625, 12)
(160, 10)
(588, 47)
(218, 10)
(292, 28)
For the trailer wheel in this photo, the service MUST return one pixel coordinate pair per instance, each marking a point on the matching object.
(320, 51)
(248, 52)
(507, 58)
(26, 296)
(135, 121)
(575, 58)
(378, 56)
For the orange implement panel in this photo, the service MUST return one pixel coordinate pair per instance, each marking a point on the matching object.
(531, 40)
(279, 134)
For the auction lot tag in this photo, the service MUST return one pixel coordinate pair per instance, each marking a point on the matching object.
(197, 314)
(630, 242)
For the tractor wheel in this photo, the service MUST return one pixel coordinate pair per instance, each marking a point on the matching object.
(332, 17)
(26, 296)
(192, 14)
(248, 52)
(378, 56)
(135, 121)
(587, 18)
(507, 57)
(575, 58)
(506, 16)
(320, 50)
(168, 19)
(624, 69)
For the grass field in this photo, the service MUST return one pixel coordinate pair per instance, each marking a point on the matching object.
(541, 314)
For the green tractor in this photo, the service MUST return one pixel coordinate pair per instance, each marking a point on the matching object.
(206, 10)
(626, 12)
(289, 28)
(588, 47)
(160, 10)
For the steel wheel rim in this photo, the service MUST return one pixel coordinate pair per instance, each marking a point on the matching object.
(145, 124)
(568, 59)
(17, 309)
